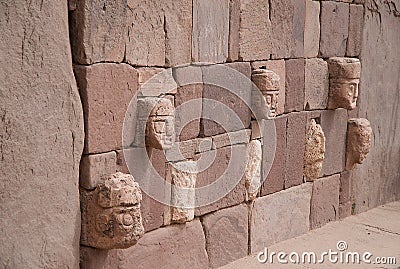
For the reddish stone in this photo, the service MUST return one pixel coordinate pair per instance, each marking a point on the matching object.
(355, 30)
(294, 161)
(234, 26)
(226, 234)
(324, 201)
(275, 180)
(92, 258)
(295, 83)
(106, 90)
(311, 29)
(345, 210)
(345, 187)
(316, 86)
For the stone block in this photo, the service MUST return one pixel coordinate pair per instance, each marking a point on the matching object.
(356, 23)
(92, 258)
(314, 153)
(226, 234)
(252, 173)
(210, 31)
(94, 168)
(155, 81)
(234, 26)
(271, 222)
(277, 66)
(176, 246)
(255, 130)
(334, 125)
(295, 139)
(106, 90)
(203, 144)
(345, 210)
(274, 181)
(182, 150)
(345, 187)
(295, 83)
(324, 201)
(231, 138)
(316, 86)
(226, 174)
(334, 28)
(230, 100)
(312, 29)
(98, 31)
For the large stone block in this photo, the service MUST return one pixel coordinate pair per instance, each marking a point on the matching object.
(280, 216)
(234, 28)
(295, 139)
(345, 187)
(334, 28)
(95, 167)
(356, 23)
(106, 90)
(312, 29)
(210, 31)
(176, 246)
(98, 31)
(316, 86)
(295, 81)
(324, 201)
(226, 234)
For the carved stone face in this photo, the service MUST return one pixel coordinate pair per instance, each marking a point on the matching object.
(268, 84)
(359, 134)
(111, 215)
(160, 128)
(314, 151)
(343, 93)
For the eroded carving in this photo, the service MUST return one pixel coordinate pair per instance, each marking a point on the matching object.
(344, 79)
(111, 215)
(268, 83)
(314, 154)
(253, 169)
(359, 134)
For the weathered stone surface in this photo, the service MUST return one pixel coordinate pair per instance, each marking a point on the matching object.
(334, 125)
(356, 22)
(316, 86)
(111, 213)
(234, 28)
(182, 151)
(155, 81)
(345, 187)
(265, 94)
(98, 31)
(226, 234)
(324, 201)
(210, 30)
(236, 95)
(274, 181)
(106, 90)
(271, 222)
(176, 246)
(92, 258)
(203, 144)
(294, 160)
(94, 168)
(277, 66)
(295, 81)
(314, 153)
(41, 138)
(231, 138)
(333, 34)
(343, 67)
(252, 174)
(376, 182)
(345, 210)
(311, 29)
(359, 135)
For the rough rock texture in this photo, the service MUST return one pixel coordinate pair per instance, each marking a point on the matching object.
(271, 222)
(95, 167)
(295, 81)
(316, 84)
(253, 169)
(359, 135)
(41, 138)
(356, 22)
(311, 29)
(314, 153)
(325, 201)
(226, 234)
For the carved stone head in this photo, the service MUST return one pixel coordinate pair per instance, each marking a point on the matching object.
(314, 154)
(359, 134)
(344, 79)
(160, 127)
(268, 83)
(111, 215)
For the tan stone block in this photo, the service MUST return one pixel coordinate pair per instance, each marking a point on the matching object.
(226, 234)
(295, 83)
(210, 31)
(345, 187)
(181, 151)
(203, 144)
(156, 81)
(252, 173)
(106, 90)
(98, 31)
(271, 222)
(334, 28)
(234, 28)
(94, 168)
(312, 29)
(231, 138)
(324, 201)
(356, 23)
(316, 86)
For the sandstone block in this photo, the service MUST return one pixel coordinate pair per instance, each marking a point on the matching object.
(253, 169)
(312, 29)
(92, 258)
(203, 144)
(94, 168)
(210, 31)
(271, 222)
(316, 86)
(177, 246)
(325, 201)
(98, 31)
(345, 187)
(234, 26)
(106, 90)
(226, 234)
(182, 150)
(156, 81)
(345, 210)
(231, 138)
(356, 23)
(334, 34)
(295, 81)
